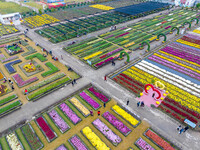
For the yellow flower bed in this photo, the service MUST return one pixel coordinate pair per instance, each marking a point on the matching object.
(188, 43)
(196, 31)
(93, 55)
(179, 95)
(102, 7)
(29, 67)
(125, 115)
(153, 38)
(129, 44)
(94, 139)
(175, 62)
(37, 21)
(80, 106)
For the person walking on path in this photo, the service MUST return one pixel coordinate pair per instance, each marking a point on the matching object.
(113, 63)
(47, 52)
(138, 104)
(50, 52)
(153, 95)
(74, 81)
(99, 113)
(26, 92)
(9, 80)
(179, 127)
(104, 105)
(61, 57)
(13, 87)
(142, 104)
(5, 79)
(181, 130)
(105, 78)
(127, 102)
(186, 128)
(91, 112)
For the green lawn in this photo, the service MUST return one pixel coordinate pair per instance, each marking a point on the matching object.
(34, 4)
(10, 7)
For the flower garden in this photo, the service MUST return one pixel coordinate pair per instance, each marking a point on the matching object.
(28, 69)
(7, 29)
(65, 126)
(99, 51)
(176, 66)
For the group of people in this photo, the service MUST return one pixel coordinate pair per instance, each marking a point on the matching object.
(112, 28)
(140, 104)
(9, 81)
(74, 82)
(182, 129)
(98, 112)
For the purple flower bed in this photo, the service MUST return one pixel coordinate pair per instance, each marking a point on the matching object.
(8, 59)
(77, 143)
(104, 61)
(59, 121)
(107, 132)
(122, 34)
(70, 113)
(89, 100)
(142, 144)
(116, 123)
(22, 83)
(9, 66)
(61, 147)
(168, 27)
(185, 48)
(175, 67)
(182, 54)
(109, 36)
(99, 95)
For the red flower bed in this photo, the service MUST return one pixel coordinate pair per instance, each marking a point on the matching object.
(185, 38)
(180, 112)
(158, 140)
(133, 80)
(44, 126)
(193, 113)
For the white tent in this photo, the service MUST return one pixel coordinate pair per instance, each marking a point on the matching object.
(8, 18)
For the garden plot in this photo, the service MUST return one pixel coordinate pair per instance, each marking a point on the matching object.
(176, 68)
(27, 67)
(7, 29)
(65, 126)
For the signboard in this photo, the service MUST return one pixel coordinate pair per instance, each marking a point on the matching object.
(190, 123)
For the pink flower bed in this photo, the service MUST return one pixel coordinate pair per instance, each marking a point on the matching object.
(103, 62)
(122, 34)
(77, 143)
(99, 95)
(143, 145)
(21, 83)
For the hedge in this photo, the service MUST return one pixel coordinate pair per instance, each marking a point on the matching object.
(38, 55)
(52, 67)
(10, 106)
(7, 99)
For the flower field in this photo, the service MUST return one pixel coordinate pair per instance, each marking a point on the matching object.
(6, 29)
(46, 77)
(65, 127)
(177, 67)
(99, 51)
(37, 21)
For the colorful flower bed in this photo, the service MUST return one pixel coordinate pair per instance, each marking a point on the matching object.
(9, 66)
(89, 100)
(70, 113)
(134, 122)
(37, 21)
(158, 140)
(61, 124)
(77, 143)
(102, 97)
(14, 142)
(107, 132)
(116, 123)
(46, 130)
(80, 106)
(61, 147)
(94, 139)
(143, 145)
(31, 137)
(20, 82)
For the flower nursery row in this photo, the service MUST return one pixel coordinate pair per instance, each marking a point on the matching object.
(7, 29)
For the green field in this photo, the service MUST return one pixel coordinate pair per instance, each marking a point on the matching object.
(34, 4)
(10, 7)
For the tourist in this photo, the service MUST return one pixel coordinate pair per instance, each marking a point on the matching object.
(61, 57)
(53, 57)
(179, 127)
(20, 42)
(98, 113)
(47, 52)
(153, 95)
(11, 83)
(44, 55)
(69, 69)
(91, 112)
(181, 130)
(12, 87)
(127, 102)
(138, 104)
(27, 29)
(142, 104)
(113, 63)
(36, 44)
(105, 78)
(50, 52)
(26, 92)
(115, 27)
(5, 79)
(74, 81)
(25, 40)
(104, 105)
(186, 128)
(9, 80)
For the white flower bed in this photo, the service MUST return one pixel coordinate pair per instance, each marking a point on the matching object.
(13, 142)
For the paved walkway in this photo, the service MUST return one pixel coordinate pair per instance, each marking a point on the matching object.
(159, 121)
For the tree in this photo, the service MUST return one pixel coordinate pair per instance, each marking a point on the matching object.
(40, 11)
(198, 5)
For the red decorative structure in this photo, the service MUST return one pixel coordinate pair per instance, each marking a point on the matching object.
(145, 88)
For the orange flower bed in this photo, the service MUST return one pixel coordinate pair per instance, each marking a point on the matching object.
(158, 140)
(1, 76)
